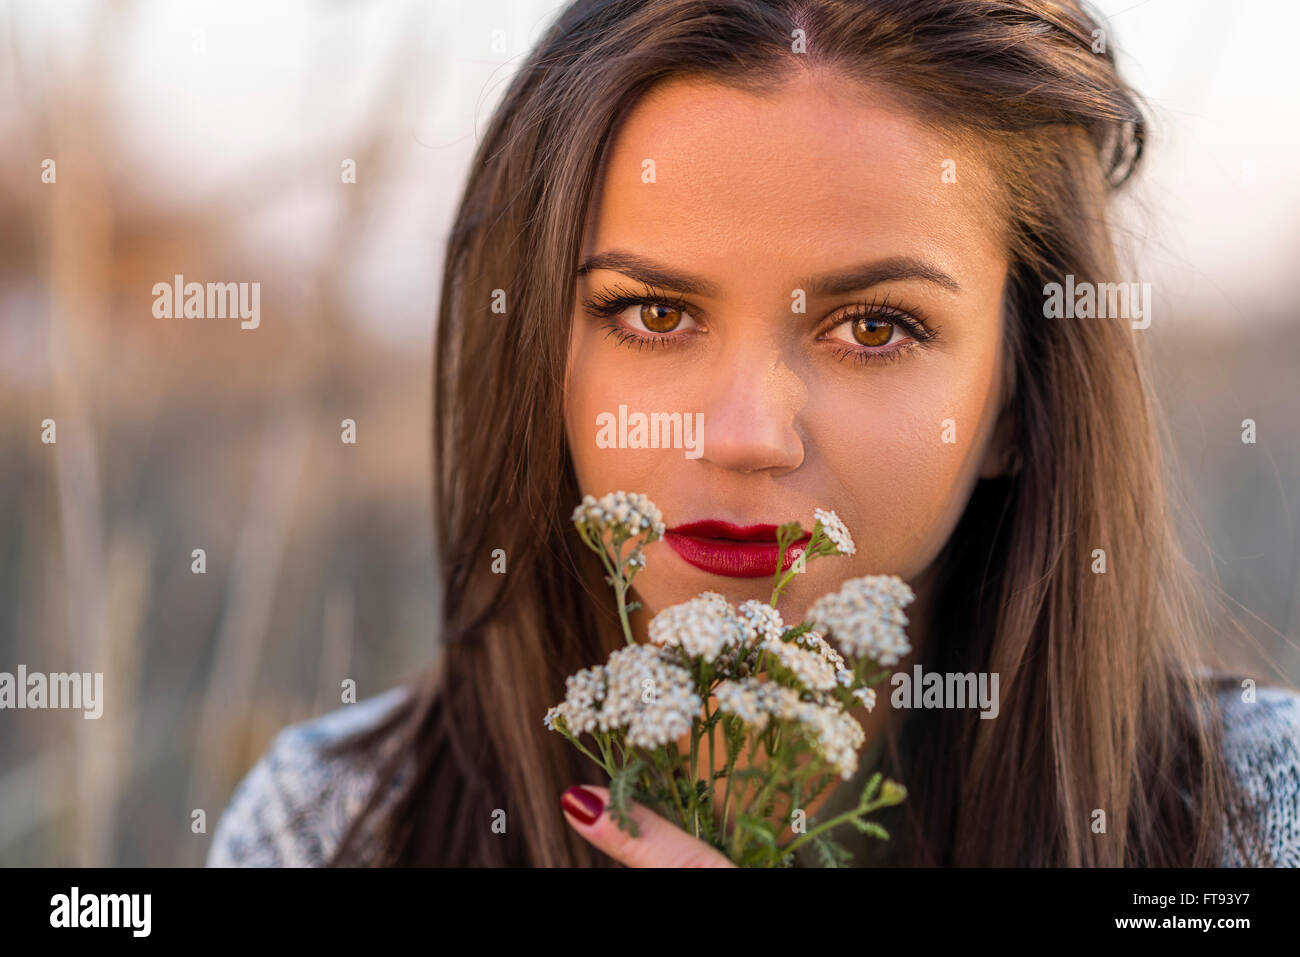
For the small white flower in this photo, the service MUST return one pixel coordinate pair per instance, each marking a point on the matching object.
(584, 691)
(552, 713)
(865, 618)
(756, 702)
(809, 668)
(835, 530)
(836, 735)
(702, 627)
(640, 690)
(814, 641)
(762, 620)
(650, 695)
(623, 514)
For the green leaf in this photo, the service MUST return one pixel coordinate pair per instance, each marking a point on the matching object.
(735, 734)
(708, 823)
(754, 857)
(788, 532)
(830, 852)
(869, 792)
(622, 789)
(871, 827)
(762, 831)
(790, 634)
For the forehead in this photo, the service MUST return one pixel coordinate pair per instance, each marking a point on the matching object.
(823, 171)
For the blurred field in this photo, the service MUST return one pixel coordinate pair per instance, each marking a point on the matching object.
(182, 434)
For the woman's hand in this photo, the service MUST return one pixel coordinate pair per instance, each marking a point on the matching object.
(659, 843)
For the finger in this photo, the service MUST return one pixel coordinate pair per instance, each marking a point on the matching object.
(659, 843)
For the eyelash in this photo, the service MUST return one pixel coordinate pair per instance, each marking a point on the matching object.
(607, 305)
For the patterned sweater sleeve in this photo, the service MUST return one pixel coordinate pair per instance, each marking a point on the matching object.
(1262, 747)
(292, 808)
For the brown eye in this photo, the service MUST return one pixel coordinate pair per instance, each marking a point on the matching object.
(660, 318)
(871, 331)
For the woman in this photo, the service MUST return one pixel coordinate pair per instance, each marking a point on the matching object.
(830, 231)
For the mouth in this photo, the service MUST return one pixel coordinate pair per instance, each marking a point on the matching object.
(736, 551)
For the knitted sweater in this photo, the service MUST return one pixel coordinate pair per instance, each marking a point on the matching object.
(292, 807)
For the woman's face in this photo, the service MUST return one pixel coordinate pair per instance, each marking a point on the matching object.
(754, 230)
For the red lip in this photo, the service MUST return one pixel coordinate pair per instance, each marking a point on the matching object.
(736, 551)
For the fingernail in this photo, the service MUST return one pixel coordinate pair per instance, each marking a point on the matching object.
(582, 804)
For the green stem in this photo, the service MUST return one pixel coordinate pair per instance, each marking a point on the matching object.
(602, 741)
(579, 745)
(622, 611)
(732, 754)
(708, 724)
(776, 769)
(667, 780)
(757, 801)
(672, 780)
(616, 579)
(824, 826)
(860, 810)
(695, 803)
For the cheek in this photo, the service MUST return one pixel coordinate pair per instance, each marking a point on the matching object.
(908, 460)
(596, 383)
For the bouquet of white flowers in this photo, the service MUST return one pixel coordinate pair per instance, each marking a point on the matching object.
(788, 689)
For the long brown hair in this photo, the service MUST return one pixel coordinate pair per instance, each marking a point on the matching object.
(1102, 704)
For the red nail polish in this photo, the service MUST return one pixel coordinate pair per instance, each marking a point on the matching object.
(582, 804)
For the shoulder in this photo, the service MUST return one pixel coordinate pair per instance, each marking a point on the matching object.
(1261, 745)
(293, 805)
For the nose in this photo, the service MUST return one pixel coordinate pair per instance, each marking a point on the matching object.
(751, 408)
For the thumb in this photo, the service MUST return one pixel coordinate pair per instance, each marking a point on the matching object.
(659, 843)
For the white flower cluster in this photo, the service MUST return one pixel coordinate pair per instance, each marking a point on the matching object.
(622, 513)
(835, 530)
(761, 620)
(865, 618)
(816, 642)
(702, 627)
(836, 734)
(640, 689)
(708, 627)
(808, 667)
(866, 695)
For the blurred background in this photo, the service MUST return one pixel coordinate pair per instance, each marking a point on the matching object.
(213, 140)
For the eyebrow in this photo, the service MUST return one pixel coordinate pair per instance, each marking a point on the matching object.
(858, 277)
